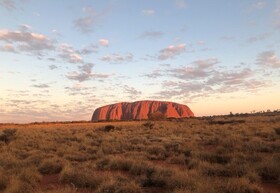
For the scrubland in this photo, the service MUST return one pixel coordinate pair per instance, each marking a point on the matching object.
(227, 154)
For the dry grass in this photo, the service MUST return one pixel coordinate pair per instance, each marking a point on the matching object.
(196, 155)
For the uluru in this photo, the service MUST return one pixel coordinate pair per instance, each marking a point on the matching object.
(140, 110)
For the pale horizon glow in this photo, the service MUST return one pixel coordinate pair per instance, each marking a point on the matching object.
(60, 60)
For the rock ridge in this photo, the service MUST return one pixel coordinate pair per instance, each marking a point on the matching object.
(140, 110)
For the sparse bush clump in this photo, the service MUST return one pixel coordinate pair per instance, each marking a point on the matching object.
(119, 185)
(80, 178)
(149, 124)
(8, 135)
(3, 180)
(277, 131)
(50, 166)
(109, 128)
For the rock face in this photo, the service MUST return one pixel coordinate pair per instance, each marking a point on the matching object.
(140, 110)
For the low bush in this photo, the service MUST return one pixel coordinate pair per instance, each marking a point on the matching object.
(108, 128)
(119, 185)
(3, 180)
(238, 185)
(80, 178)
(277, 130)
(8, 135)
(50, 166)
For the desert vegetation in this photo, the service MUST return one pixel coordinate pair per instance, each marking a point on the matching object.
(227, 154)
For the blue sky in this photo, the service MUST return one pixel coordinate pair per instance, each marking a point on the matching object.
(59, 60)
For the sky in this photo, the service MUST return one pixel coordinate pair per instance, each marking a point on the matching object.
(59, 60)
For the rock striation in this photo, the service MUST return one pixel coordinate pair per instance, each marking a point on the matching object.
(140, 110)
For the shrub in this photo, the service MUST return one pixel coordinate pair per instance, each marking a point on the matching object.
(66, 189)
(268, 171)
(277, 130)
(18, 186)
(215, 158)
(120, 164)
(80, 178)
(239, 185)
(51, 166)
(8, 135)
(108, 128)
(156, 152)
(119, 185)
(149, 124)
(3, 180)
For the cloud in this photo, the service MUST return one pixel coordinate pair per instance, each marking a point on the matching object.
(148, 12)
(181, 4)
(268, 58)
(86, 23)
(27, 41)
(8, 4)
(204, 78)
(85, 73)
(200, 69)
(104, 42)
(151, 34)
(89, 49)
(131, 91)
(40, 86)
(171, 51)
(69, 54)
(257, 5)
(52, 67)
(228, 38)
(200, 42)
(258, 37)
(117, 58)
(8, 48)
(78, 89)
(154, 74)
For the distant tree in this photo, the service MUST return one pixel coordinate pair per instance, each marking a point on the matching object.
(156, 116)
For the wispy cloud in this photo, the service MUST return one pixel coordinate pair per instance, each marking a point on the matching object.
(131, 91)
(171, 51)
(23, 40)
(258, 37)
(85, 73)
(79, 89)
(52, 67)
(8, 4)
(268, 58)
(8, 48)
(69, 54)
(202, 78)
(118, 58)
(104, 42)
(148, 12)
(228, 37)
(181, 4)
(86, 23)
(260, 4)
(151, 34)
(40, 85)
